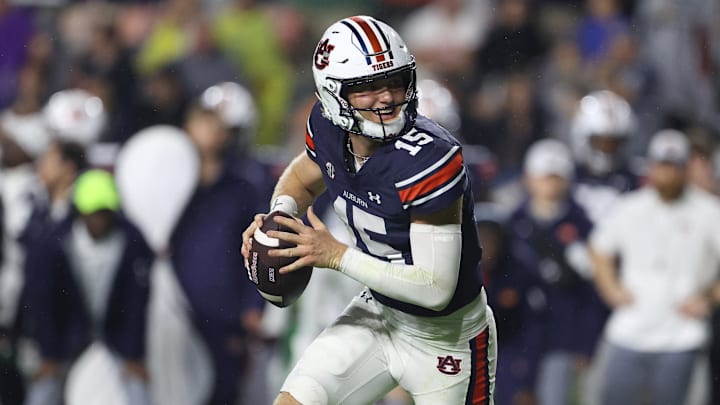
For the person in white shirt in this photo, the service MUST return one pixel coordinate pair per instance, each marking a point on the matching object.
(667, 237)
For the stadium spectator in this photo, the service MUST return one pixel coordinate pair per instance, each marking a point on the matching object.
(172, 37)
(23, 137)
(106, 70)
(701, 172)
(225, 307)
(626, 72)
(88, 280)
(599, 135)
(445, 35)
(57, 168)
(514, 43)
(237, 109)
(245, 33)
(17, 27)
(506, 117)
(510, 296)
(546, 237)
(206, 65)
(681, 42)
(596, 32)
(163, 99)
(666, 237)
(701, 167)
(561, 85)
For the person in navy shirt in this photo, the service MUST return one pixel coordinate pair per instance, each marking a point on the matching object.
(600, 136)
(399, 183)
(225, 307)
(88, 280)
(547, 243)
(509, 290)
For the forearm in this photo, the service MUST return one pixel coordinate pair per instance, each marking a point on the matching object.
(604, 275)
(290, 185)
(710, 294)
(302, 181)
(429, 282)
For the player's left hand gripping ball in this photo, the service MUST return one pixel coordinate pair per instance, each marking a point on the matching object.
(279, 289)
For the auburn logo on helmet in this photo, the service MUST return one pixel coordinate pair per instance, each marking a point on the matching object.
(322, 54)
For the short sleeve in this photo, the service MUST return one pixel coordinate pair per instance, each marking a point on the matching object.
(310, 140)
(435, 183)
(606, 237)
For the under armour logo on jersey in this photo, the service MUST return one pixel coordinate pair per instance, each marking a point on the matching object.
(448, 365)
(330, 170)
(374, 197)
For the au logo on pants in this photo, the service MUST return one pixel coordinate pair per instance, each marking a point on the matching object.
(448, 365)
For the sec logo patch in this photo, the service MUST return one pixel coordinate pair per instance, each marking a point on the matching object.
(330, 170)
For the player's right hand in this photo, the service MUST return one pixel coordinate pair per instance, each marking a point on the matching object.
(247, 238)
(314, 245)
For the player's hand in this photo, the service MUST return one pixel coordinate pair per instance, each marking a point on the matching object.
(618, 297)
(247, 238)
(314, 245)
(697, 306)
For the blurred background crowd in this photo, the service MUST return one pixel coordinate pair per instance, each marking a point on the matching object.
(521, 83)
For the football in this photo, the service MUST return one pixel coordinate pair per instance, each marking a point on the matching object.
(279, 289)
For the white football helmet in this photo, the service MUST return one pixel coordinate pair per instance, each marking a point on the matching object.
(76, 115)
(601, 115)
(360, 50)
(233, 102)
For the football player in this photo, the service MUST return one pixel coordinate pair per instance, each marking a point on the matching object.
(600, 131)
(398, 182)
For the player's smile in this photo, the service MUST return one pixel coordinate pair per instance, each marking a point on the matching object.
(389, 113)
(381, 113)
(383, 96)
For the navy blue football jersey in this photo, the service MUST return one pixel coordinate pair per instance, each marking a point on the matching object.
(421, 172)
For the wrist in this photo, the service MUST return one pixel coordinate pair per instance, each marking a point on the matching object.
(610, 293)
(284, 203)
(336, 262)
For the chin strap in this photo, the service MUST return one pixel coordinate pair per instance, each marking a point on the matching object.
(386, 130)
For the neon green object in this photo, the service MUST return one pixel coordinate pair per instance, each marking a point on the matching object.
(94, 191)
